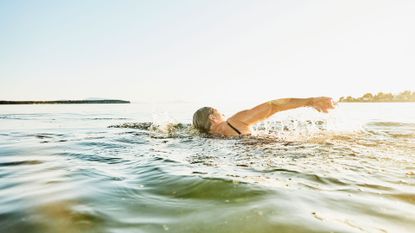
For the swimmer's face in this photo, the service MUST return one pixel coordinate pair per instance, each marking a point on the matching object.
(217, 116)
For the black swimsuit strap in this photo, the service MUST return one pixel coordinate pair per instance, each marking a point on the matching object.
(236, 130)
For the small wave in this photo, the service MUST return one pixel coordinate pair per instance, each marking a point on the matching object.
(138, 125)
(17, 163)
(161, 130)
(107, 118)
(396, 130)
(407, 197)
(392, 124)
(21, 116)
(10, 117)
(48, 135)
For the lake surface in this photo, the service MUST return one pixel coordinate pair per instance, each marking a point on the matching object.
(64, 169)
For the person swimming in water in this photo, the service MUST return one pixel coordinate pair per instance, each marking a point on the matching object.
(210, 121)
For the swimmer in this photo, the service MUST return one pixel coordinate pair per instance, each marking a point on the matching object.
(210, 121)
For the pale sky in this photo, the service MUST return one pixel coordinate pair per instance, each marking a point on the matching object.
(204, 50)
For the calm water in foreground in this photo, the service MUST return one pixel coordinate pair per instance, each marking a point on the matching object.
(63, 169)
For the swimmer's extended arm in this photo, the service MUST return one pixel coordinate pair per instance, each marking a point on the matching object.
(267, 109)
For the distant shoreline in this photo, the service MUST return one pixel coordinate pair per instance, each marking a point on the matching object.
(7, 102)
(403, 97)
(357, 101)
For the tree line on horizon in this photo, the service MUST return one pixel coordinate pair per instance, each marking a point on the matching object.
(405, 96)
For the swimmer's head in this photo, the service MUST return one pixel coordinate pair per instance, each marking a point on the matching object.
(202, 119)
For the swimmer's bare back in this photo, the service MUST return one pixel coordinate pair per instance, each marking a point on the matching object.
(241, 122)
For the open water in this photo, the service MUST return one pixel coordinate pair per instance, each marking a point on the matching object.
(141, 168)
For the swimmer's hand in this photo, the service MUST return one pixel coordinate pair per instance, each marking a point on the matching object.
(322, 104)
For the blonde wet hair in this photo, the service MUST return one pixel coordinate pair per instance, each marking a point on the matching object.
(201, 119)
